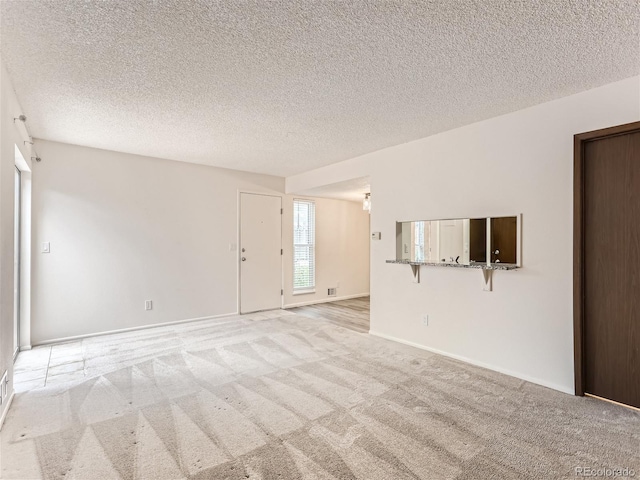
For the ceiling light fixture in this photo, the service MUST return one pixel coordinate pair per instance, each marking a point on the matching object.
(366, 203)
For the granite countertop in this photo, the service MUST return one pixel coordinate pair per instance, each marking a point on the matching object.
(481, 266)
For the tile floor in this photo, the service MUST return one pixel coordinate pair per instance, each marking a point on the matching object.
(76, 361)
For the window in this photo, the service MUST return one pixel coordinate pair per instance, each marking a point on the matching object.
(304, 242)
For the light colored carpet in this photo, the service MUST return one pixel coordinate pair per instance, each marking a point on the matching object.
(281, 396)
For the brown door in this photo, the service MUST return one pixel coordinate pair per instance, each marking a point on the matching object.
(611, 266)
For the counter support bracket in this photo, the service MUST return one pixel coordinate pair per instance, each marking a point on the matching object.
(415, 269)
(487, 277)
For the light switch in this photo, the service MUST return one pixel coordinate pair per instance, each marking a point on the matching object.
(46, 247)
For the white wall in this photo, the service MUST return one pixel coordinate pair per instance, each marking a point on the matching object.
(517, 163)
(342, 251)
(124, 229)
(10, 136)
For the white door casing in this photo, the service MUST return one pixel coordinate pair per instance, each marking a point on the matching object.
(260, 252)
(16, 265)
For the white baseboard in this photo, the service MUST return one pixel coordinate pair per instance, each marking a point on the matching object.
(6, 410)
(511, 373)
(25, 348)
(325, 300)
(131, 329)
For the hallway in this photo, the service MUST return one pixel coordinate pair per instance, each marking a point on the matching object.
(352, 314)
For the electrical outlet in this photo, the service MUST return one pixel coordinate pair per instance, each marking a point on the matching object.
(425, 320)
(148, 304)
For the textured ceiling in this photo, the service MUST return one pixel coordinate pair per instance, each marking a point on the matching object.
(282, 87)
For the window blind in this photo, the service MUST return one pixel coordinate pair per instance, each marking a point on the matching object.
(304, 240)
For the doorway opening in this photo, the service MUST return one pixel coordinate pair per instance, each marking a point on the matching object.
(21, 255)
(16, 261)
(343, 254)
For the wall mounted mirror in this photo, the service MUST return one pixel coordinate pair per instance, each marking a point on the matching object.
(462, 241)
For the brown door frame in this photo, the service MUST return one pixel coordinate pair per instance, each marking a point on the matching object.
(579, 141)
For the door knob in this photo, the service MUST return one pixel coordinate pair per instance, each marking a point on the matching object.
(497, 252)
(244, 259)
(243, 249)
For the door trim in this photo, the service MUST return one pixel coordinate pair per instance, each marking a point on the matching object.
(579, 140)
(17, 250)
(238, 247)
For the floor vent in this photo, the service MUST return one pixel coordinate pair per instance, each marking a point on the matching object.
(331, 292)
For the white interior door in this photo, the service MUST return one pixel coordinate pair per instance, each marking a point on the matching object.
(260, 252)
